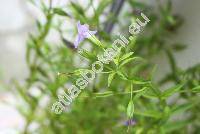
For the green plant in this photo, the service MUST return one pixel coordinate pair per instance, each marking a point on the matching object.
(125, 90)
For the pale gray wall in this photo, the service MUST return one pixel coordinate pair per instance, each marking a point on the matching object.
(189, 34)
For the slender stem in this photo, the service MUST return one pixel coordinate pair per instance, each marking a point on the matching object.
(131, 91)
(113, 94)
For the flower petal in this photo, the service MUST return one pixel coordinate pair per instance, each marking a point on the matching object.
(130, 122)
(83, 29)
(78, 40)
(89, 34)
(83, 32)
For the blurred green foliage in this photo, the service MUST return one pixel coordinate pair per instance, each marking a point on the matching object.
(122, 92)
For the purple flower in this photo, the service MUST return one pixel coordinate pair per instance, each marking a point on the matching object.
(130, 122)
(83, 32)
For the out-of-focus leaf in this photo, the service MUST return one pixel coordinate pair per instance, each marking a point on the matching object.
(149, 113)
(196, 89)
(103, 94)
(78, 8)
(171, 91)
(126, 56)
(110, 78)
(123, 76)
(134, 4)
(139, 94)
(102, 5)
(171, 126)
(179, 47)
(172, 64)
(128, 60)
(96, 41)
(150, 94)
(130, 109)
(87, 54)
(181, 108)
(139, 81)
(60, 12)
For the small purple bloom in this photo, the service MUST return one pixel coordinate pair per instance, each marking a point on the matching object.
(130, 122)
(83, 32)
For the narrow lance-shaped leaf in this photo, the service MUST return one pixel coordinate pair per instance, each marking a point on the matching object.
(110, 78)
(139, 81)
(123, 76)
(130, 109)
(96, 41)
(149, 113)
(60, 12)
(103, 4)
(126, 56)
(182, 108)
(86, 54)
(128, 60)
(196, 89)
(169, 127)
(104, 94)
(171, 91)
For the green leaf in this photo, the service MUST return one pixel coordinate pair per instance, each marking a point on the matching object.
(139, 5)
(169, 127)
(126, 56)
(152, 114)
(139, 94)
(139, 81)
(196, 89)
(181, 108)
(122, 75)
(96, 41)
(152, 73)
(179, 47)
(128, 60)
(130, 109)
(102, 5)
(77, 8)
(172, 64)
(86, 54)
(103, 94)
(150, 94)
(60, 12)
(171, 91)
(110, 78)
(78, 12)
(116, 59)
